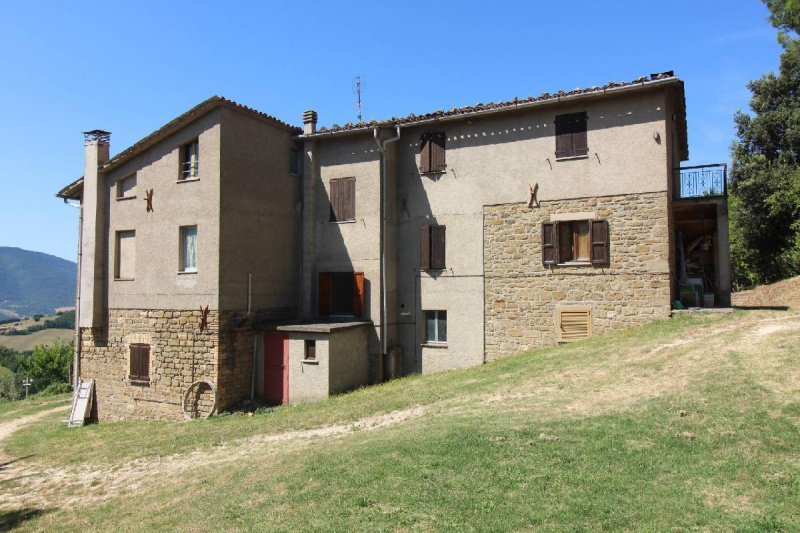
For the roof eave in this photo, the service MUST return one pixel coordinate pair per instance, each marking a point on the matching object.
(73, 191)
(519, 106)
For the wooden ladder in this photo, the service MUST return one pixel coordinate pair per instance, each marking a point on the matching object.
(81, 403)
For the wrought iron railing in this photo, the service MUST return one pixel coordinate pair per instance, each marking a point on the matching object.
(701, 181)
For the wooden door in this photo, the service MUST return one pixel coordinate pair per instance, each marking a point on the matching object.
(276, 368)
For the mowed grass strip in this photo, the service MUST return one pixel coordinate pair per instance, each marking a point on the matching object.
(715, 451)
(20, 408)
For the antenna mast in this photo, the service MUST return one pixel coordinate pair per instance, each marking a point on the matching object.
(359, 104)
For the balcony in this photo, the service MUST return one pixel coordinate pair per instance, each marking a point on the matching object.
(701, 182)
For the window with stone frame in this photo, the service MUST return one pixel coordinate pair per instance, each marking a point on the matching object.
(575, 242)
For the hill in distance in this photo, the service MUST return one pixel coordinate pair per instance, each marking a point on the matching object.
(34, 282)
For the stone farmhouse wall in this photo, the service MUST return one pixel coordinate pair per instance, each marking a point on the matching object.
(522, 295)
(180, 354)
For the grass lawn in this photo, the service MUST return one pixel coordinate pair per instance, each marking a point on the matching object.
(24, 343)
(20, 408)
(685, 424)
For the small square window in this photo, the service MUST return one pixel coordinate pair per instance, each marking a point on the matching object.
(190, 160)
(126, 187)
(188, 251)
(571, 138)
(436, 326)
(310, 350)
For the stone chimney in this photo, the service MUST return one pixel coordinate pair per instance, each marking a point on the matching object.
(309, 122)
(93, 238)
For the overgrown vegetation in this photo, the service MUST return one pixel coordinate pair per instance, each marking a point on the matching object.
(765, 188)
(47, 365)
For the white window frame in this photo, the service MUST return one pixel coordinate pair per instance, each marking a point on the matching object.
(439, 316)
(190, 166)
(182, 269)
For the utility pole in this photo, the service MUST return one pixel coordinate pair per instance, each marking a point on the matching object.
(27, 382)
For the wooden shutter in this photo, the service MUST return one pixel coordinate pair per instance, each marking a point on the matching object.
(324, 295)
(425, 153)
(574, 324)
(437, 145)
(437, 247)
(358, 293)
(599, 236)
(140, 362)
(349, 199)
(549, 243)
(335, 194)
(580, 144)
(563, 136)
(425, 247)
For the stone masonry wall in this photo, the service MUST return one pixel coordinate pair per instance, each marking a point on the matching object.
(179, 355)
(522, 295)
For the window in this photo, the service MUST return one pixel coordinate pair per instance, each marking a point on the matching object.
(577, 241)
(431, 152)
(188, 252)
(311, 350)
(190, 160)
(341, 293)
(571, 135)
(343, 200)
(432, 247)
(294, 162)
(125, 255)
(126, 187)
(573, 323)
(436, 326)
(139, 363)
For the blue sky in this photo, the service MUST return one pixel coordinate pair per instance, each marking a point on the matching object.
(130, 67)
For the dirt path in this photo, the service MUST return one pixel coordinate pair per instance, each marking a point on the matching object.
(7, 428)
(28, 484)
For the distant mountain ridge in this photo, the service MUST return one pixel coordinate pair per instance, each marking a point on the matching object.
(35, 282)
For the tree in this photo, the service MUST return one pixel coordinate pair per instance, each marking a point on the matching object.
(47, 364)
(8, 388)
(765, 190)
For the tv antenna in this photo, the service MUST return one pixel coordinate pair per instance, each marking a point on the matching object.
(358, 86)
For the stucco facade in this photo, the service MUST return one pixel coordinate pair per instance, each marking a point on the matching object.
(288, 257)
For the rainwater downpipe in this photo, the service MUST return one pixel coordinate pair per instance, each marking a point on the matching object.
(76, 346)
(382, 149)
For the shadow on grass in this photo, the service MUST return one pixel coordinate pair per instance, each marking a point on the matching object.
(4, 465)
(12, 519)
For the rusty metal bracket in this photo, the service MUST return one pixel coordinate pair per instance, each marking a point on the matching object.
(532, 200)
(148, 197)
(203, 318)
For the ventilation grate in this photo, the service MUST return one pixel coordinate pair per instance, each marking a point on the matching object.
(574, 324)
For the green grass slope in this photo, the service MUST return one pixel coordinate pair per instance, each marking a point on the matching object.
(685, 424)
(24, 343)
(33, 282)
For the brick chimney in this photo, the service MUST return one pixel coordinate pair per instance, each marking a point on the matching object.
(93, 237)
(309, 122)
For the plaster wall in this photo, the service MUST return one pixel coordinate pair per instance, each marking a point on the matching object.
(349, 360)
(308, 380)
(157, 283)
(259, 222)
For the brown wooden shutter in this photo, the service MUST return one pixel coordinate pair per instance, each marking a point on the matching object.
(549, 243)
(437, 149)
(425, 153)
(334, 198)
(599, 236)
(140, 362)
(580, 144)
(350, 199)
(563, 136)
(437, 247)
(425, 247)
(574, 324)
(324, 296)
(358, 293)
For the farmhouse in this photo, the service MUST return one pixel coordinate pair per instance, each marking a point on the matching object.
(231, 252)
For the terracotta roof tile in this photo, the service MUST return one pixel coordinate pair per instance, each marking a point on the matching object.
(545, 96)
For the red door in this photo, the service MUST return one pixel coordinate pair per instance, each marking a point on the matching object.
(276, 368)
